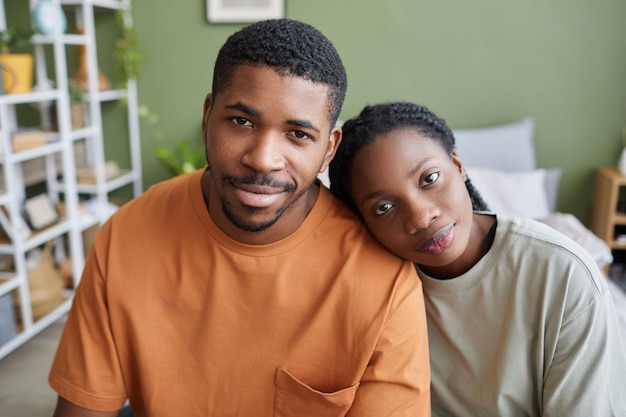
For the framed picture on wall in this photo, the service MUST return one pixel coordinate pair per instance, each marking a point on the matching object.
(244, 11)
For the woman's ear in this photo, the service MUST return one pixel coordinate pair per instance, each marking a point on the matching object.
(457, 161)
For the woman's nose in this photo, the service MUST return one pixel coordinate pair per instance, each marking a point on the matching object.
(419, 217)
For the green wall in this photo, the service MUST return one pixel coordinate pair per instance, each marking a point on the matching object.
(475, 63)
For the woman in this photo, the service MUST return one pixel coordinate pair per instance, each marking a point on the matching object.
(521, 322)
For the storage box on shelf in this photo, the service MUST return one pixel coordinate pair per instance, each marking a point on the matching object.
(58, 149)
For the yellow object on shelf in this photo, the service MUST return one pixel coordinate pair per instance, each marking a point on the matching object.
(17, 73)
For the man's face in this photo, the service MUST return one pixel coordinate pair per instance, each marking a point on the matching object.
(267, 138)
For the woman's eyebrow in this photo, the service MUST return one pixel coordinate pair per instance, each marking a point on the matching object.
(418, 167)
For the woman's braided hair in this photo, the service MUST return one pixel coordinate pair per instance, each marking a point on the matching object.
(381, 119)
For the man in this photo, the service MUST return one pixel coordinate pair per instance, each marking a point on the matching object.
(246, 289)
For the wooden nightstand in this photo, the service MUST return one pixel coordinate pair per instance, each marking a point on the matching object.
(607, 222)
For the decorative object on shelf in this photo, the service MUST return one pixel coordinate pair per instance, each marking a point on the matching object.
(44, 281)
(88, 175)
(17, 68)
(25, 139)
(40, 212)
(78, 111)
(48, 18)
(237, 11)
(80, 78)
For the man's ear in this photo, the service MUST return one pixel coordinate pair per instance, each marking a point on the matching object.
(333, 144)
(208, 101)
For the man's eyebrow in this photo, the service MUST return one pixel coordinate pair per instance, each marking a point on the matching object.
(253, 112)
(304, 123)
(246, 109)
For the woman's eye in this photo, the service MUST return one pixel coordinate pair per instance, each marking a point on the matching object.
(299, 134)
(242, 121)
(431, 178)
(383, 208)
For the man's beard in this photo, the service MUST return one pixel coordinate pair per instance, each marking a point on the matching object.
(242, 222)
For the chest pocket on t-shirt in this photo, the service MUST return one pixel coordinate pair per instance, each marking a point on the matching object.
(293, 398)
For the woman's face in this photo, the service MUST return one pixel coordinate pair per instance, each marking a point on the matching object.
(412, 196)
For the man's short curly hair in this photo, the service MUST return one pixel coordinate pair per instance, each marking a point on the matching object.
(291, 48)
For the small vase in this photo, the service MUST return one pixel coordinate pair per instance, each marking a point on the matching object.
(80, 77)
(621, 165)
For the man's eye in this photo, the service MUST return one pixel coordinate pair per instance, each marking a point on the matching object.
(431, 178)
(383, 208)
(242, 121)
(299, 134)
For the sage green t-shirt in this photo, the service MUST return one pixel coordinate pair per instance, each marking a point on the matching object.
(530, 330)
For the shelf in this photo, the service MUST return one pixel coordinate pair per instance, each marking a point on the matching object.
(125, 178)
(31, 97)
(103, 4)
(35, 328)
(66, 39)
(107, 95)
(83, 132)
(37, 237)
(606, 219)
(33, 153)
(614, 245)
(56, 161)
(619, 219)
(8, 283)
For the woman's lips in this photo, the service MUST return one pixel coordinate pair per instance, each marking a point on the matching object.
(440, 241)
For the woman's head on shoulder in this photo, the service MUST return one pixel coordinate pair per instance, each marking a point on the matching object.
(397, 169)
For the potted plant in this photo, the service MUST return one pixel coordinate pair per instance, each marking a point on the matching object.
(16, 68)
(184, 158)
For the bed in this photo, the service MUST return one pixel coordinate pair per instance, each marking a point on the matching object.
(501, 163)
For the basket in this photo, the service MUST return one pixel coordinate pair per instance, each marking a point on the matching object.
(45, 283)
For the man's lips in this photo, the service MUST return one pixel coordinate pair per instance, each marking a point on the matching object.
(258, 196)
(439, 242)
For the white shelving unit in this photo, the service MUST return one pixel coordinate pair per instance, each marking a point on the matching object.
(59, 160)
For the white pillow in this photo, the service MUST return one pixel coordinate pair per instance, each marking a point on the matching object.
(507, 147)
(516, 193)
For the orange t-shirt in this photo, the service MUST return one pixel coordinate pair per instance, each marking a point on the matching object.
(176, 316)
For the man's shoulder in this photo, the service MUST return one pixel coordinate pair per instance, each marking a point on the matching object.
(352, 235)
(163, 199)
